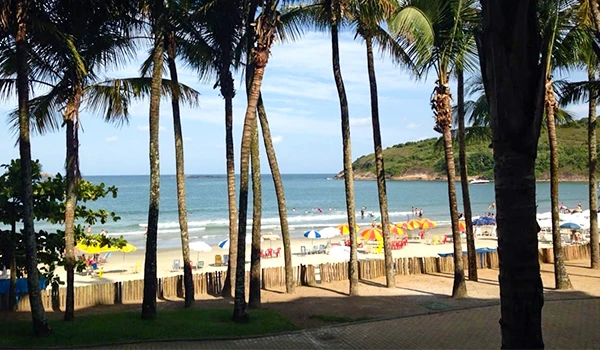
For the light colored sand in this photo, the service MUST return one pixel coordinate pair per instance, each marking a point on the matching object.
(121, 266)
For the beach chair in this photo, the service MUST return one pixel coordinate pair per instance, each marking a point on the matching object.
(269, 253)
(225, 259)
(315, 250)
(137, 267)
(276, 252)
(436, 240)
(200, 264)
(303, 250)
(321, 249)
(104, 259)
(176, 265)
(218, 260)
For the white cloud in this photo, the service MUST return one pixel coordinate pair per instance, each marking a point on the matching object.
(187, 138)
(111, 139)
(147, 128)
(360, 121)
(277, 139)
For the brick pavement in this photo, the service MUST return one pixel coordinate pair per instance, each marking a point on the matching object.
(572, 324)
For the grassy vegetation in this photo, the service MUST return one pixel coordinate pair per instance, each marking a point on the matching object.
(338, 319)
(427, 156)
(105, 329)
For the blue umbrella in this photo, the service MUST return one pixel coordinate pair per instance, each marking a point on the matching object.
(484, 220)
(312, 234)
(570, 226)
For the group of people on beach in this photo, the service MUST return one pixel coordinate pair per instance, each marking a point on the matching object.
(314, 210)
(563, 208)
(417, 212)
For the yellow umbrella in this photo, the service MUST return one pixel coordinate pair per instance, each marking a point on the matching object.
(128, 248)
(94, 248)
(427, 224)
(345, 229)
(372, 234)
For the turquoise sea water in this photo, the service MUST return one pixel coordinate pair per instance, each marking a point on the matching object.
(207, 204)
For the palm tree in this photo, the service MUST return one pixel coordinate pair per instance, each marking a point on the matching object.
(15, 20)
(432, 32)
(265, 27)
(254, 295)
(507, 61)
(367, 16)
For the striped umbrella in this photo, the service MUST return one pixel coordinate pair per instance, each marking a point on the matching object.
(312, 234)
(426, 224)
(404, 225)
(462, 226)
(372, 234)
(395, 230)
(224, 244)
(345, 229)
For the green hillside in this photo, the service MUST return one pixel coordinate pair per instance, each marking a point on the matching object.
(425, 159)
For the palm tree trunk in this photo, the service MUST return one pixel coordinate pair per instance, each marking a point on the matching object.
(240, 313)
(561, 278)
(290, 284)
(347, 150)
(464, 177)
(254, 297)
(379, 166)
(227, 91)
(595, 9)
(12, 258)
(72, 170)
(443, 112)
(149, 302)
(188, 281)
(514, 83)
(594, 244)
(38, 314)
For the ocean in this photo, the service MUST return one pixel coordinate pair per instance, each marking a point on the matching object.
(313, 201)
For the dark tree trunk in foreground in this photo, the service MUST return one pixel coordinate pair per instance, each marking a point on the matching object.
(72, 169)
(188, 281)
(290, 283)
(347, 148)
(228, 92)
(443, 118)
(38, 314)
(592, 156)
(561, 277)
(149, 302)
(12, 258)
(380, 169)
(510, 50)
(464, 177)
(254, 297)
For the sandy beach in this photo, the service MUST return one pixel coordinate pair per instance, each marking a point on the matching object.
(129, 266)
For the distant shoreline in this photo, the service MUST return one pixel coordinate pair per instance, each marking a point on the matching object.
(441, 178)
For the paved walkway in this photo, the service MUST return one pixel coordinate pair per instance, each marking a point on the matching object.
(572, 324)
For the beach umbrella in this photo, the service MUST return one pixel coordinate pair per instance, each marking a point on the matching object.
(329, 232)
(372, 234)
(405, 225)
(95, 248)
(571, 226)
(395, 230)
(426, 224)
(224, 244)
(462, 226)
(270, 237)
(312, 234)
(345, 229)
(200, 246)
(414, 223)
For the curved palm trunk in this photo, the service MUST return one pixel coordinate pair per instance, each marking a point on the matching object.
(594, 247)
(464, 177)
(514, 84)
(290, 284)
(347, 150)
(595, 9)
(38, 314)
(72, 170)
(254, 297)
(188, 281)
(12, 258)
(561, 278)
(149, 302)
(443, 112)
(227, 91)
(379, 166)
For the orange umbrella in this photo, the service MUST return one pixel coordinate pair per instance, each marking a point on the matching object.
(395, 230)
(462, 226)
(414, 223)
(426, 224)
(345, 229)
(372, 234)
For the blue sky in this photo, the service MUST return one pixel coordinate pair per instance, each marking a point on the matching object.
(301, 102)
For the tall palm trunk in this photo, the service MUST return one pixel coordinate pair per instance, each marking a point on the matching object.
(443, 113)
(40, 322)
(290, 284)
(12, 258)
(594, 247)
(561, 277)
(227, 90)
(514, 84)
(254, 297)
(347, 151)
(149, 302)
(72, 170)
(595, 9)
(188, 281)
(379, 166)
(464, 177)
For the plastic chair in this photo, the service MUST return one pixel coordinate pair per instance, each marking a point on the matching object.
(321, 249)
(200, 264)
(104, 259)
(276, 252)
(315, 250)
(269, 253)
(137, 267)
(218, 260)
(302, 250)
(176, 265)
(225, 259)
